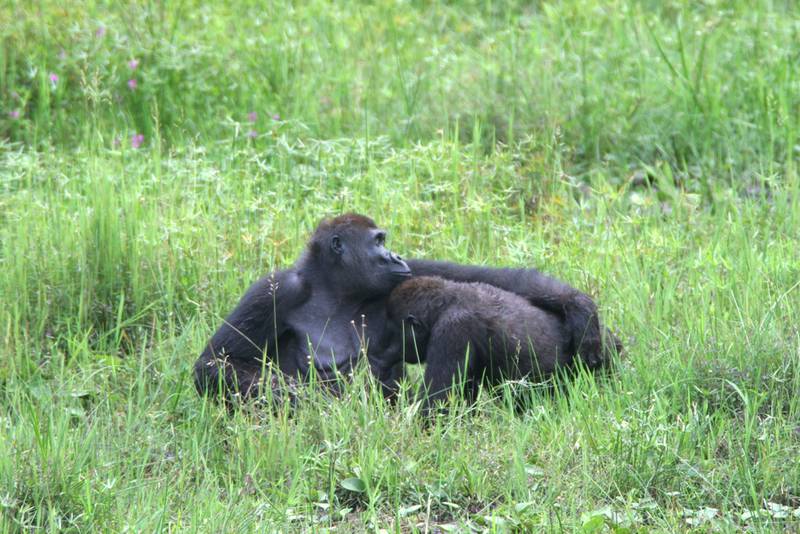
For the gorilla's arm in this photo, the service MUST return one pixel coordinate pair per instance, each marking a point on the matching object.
(237, 348)
(577, 309)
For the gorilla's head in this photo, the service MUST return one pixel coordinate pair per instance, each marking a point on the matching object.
(413, 309)
(349, 250)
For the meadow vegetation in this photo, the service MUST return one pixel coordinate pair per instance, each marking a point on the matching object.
(156, 158)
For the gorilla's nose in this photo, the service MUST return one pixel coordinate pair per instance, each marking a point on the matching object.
(399, 267)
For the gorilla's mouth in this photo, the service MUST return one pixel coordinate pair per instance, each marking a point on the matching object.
(399, 268)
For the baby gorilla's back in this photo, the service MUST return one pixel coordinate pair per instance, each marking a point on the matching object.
(521, 339)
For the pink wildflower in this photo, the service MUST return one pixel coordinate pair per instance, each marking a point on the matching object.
(14, 114)
(132, 64)
(132, 84)
(252, 134)
(101, 31)
(276, 117)
(137, 140)
(53, 78)
(252, 116)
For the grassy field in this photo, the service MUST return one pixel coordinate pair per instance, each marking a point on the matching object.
(156, 158)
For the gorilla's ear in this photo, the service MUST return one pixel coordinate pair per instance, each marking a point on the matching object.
(336, 245)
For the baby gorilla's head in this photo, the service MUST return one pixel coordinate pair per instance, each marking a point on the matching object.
(413, 309)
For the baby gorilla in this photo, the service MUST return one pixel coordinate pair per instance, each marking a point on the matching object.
(473, 333)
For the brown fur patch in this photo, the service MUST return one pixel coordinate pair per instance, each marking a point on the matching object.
(415, 288)
(422, 294)
(344, 221)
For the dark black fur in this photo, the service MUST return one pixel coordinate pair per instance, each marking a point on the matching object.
(474, 333)
(311, 314)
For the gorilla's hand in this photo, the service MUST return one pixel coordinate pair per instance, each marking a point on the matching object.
(581, 320)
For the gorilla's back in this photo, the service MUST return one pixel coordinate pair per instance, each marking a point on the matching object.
(533, 339)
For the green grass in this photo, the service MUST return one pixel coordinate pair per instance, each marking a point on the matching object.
(645, 152)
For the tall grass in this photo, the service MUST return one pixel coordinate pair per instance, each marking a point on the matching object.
(709, 88)
(645, 152)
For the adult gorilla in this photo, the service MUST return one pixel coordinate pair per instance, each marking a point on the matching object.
(320, 312)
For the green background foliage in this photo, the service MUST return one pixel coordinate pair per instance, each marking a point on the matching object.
(645, 152)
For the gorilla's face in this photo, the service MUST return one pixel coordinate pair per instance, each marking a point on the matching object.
(367, 266)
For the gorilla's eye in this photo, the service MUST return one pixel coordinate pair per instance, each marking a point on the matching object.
(380, 239)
